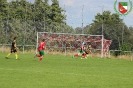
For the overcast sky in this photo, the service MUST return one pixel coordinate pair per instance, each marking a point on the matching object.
(79, 11)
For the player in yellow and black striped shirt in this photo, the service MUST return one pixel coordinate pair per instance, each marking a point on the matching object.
(13, 48)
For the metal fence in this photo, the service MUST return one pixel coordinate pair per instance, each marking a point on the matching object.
(26, 32)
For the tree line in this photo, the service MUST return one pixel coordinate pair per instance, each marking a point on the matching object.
(113, 28)
(23, 19)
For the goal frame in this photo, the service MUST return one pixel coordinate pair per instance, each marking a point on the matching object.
(102, 38)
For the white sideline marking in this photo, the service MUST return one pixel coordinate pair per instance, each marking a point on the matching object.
(59, 73)
(20, 70)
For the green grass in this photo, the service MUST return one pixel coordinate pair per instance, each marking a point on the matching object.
(56, 71)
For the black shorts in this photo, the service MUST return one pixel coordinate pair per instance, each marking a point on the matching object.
(13, 50)
(86, 52)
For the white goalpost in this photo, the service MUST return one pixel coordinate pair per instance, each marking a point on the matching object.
(66, 42)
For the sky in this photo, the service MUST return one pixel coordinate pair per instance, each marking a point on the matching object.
(84, 11)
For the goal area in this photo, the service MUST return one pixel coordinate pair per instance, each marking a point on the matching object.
(69, 43)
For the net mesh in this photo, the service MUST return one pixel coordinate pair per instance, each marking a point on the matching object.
(65, 42)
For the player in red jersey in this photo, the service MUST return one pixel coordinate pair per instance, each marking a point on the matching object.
(41, 48)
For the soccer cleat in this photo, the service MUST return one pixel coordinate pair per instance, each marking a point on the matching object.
(6, 57)
(85, 57)
(35, 56)
(40, 60)
(72, 56)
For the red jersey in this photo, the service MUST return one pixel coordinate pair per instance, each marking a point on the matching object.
(82, 47)
(41, 46)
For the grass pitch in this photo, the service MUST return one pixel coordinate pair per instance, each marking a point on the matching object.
(56, 71)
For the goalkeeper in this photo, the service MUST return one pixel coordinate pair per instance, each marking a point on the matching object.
(86, 52)
(13, 48)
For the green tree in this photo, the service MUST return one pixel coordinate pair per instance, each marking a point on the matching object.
(56, 15)
(78, 30)
(112, 27)
(3, 9)
(23, 19)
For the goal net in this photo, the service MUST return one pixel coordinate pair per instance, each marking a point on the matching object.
(70, 43)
